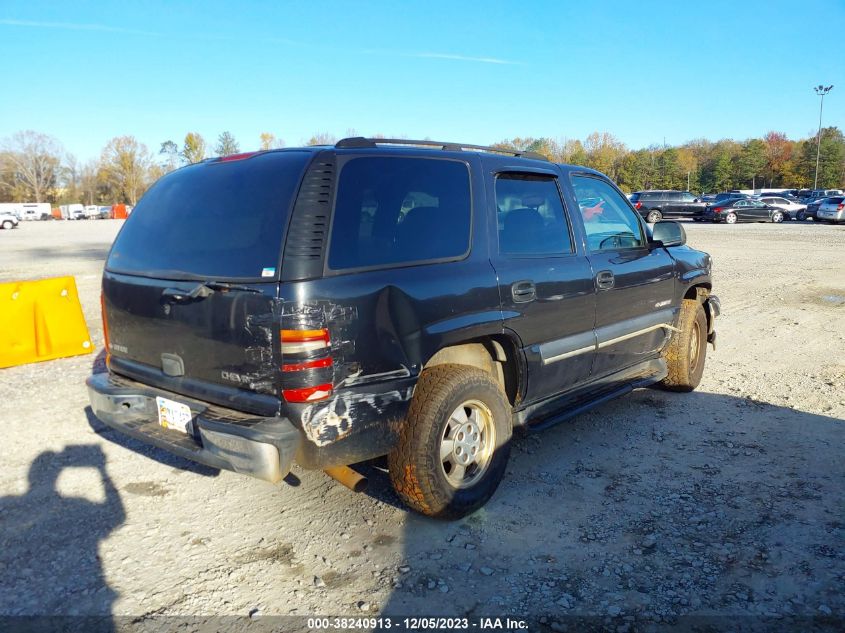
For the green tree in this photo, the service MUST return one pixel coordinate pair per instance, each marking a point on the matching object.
(194, 148)
(124, 168)
(226, 145)
(172, 156)
(751, 163)
(831, 154)
(604, 153)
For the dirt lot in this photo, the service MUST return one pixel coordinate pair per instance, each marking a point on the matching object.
(725, 502)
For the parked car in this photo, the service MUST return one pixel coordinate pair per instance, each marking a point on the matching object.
(730, 195)
(655, 205)
(417, 301)
(817, 194)
(8, 221)
(810, 213)
(832, 210)
(740, 210)
(790, 209)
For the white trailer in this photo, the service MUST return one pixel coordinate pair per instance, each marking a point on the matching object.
(27, 210)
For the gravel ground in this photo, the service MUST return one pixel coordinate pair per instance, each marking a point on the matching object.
(723, 503)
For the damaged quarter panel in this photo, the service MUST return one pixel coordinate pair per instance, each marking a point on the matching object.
(383, 329)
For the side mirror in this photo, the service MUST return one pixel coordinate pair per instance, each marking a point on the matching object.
(668, 233)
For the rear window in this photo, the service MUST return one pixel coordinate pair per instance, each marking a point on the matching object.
(835, 200)
(634, 197)
(395, 211)
(220, 220)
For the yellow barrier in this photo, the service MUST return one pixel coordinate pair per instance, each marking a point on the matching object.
(41, 320)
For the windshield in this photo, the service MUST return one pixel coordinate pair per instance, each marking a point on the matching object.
(222, 220)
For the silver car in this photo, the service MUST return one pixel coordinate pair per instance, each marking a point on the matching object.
(832, 210)
(791, 210)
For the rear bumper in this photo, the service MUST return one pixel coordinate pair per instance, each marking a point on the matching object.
(831, 216)
(226, 439)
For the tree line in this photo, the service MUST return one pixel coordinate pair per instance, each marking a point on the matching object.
(34, 167)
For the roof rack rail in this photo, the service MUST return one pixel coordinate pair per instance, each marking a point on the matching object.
(361, 142)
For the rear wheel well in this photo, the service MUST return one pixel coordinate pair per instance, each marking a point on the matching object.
(496, 356)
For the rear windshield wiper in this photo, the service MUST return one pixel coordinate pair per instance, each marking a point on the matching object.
(201, 291)
(224, 285)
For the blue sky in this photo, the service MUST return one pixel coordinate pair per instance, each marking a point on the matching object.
(475, 72)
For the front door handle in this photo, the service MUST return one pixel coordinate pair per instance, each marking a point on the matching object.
(523, 291)
(604, 280)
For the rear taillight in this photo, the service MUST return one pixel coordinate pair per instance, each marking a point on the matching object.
(840, 207)
(718, 209)
(320, 363)
(638, 206)
(303, 341)
(307, 379)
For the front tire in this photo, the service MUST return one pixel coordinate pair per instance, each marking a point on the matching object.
(8, 225)
(687, 350)
(801, 216)
(454, 445)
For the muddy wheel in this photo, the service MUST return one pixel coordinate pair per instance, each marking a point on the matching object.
(454, 445)
(687, 350)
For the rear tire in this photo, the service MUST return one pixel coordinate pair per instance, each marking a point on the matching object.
(800, 216)
(730, 218)
(777, 217)
(8, 225)
(687, 351)
(653, 216)
(454, 445)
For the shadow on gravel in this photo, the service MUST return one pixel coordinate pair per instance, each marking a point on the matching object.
(657, 511)
(49, 548)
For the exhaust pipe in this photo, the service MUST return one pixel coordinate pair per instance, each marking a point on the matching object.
(348, 477)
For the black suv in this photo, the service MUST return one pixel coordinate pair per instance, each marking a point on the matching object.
(329, 305)
(656, 205)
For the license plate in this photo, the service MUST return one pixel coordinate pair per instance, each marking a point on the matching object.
(174, 415)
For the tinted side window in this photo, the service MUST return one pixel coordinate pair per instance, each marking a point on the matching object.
(674, 196)
(687, 197)
(391, 211)
(609, 222)
(530, 216)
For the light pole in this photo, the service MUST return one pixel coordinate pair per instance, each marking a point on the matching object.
(821, 91)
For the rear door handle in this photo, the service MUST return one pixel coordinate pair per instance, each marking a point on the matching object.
(604, 280)
(523, 291)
